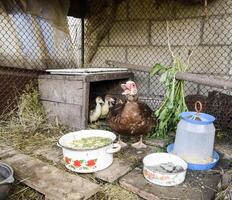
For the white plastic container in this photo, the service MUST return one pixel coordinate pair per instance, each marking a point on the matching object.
(160, 178)
(194, 140)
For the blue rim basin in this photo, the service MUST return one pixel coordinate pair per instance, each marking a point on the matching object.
(192, 166)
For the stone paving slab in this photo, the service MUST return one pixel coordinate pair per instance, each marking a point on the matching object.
(121, 165)
(115, 171)
(224, 149)
(133, 155)
(162, 143)
(53, 154)
(46, 179)
(111, 174)
(196, 186)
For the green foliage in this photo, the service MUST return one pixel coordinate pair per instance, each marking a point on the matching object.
(174, 102)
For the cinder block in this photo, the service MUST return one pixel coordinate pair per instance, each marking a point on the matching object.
(122, 11)
(129, 33)
(108, 53)
(149, 56)
(188, 11)
(230, 66)
(190, 88)
(204, 90)
(220, 7)
(156, 87)
(142, 82)
(211, 60)
(218, 30)
(140, 9)
(181, 32)
(91, 39)
(148, 9)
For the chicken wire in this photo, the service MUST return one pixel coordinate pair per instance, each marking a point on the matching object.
(129, 31)
(28, 46)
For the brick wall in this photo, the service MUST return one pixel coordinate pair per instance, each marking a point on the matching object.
(139, 36)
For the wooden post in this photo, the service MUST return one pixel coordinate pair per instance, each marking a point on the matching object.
(82, 41)
(203, 79)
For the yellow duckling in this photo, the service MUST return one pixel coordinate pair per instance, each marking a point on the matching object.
(96, 113)
(106, 107)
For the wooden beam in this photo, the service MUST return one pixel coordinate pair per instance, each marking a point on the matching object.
(54, 183)
(203, 79)
(12, 71)
(82, 41)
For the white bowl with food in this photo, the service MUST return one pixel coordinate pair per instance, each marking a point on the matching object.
(164, 169)
(88, 151)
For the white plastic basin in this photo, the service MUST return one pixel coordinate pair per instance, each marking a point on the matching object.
(161, 178)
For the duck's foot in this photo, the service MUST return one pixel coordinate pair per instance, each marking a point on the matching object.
(122, 144)
(140, 144)
(97, 123)
(94, 125)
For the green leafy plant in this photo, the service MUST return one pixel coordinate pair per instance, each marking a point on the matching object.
(174, 102)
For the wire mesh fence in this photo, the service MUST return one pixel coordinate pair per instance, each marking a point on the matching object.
(30, 45)
(129, 31)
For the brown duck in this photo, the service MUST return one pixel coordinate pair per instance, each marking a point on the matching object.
(131, 117)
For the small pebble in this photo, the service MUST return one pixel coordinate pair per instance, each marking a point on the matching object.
(169, 167)
(166, 168)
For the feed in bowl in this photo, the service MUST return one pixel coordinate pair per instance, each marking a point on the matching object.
(88, 151)
(89, 143)
(167, 167)
(164, 169)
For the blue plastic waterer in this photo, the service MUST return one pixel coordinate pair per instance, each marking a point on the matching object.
(193, 166)
(194, 141)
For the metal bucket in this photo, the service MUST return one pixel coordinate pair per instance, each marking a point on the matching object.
(6, 179)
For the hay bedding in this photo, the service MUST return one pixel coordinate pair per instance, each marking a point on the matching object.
(17, 131)
(27, 128)
(19, 191)
(225, 188)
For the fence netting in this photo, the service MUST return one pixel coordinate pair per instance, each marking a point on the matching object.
(129, 31)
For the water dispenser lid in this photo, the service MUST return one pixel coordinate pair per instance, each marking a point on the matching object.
(197, 118)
